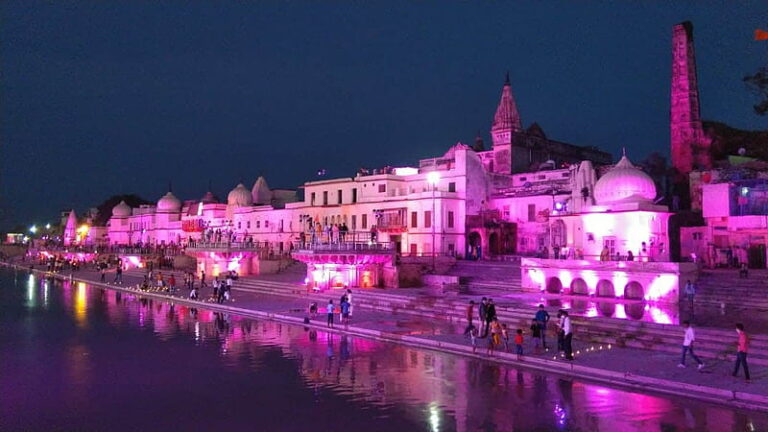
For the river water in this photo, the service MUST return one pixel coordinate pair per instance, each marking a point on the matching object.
(75, 358)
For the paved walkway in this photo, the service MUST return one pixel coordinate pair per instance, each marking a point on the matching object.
(648, 370)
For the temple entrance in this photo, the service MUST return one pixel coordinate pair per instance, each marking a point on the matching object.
(756, 256)
(398, 243)
(474, 246)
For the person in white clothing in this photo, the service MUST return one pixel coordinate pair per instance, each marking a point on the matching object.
(688, 340)
(349, 300)
(568, 336)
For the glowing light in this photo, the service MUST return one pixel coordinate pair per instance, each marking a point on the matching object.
(662, 286)
(434, 417)
(33, 229)
(80, 303)
(433, 177)
(620, 281)
(405, 171)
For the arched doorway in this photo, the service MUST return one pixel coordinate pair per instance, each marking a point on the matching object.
(579, 287)
(493, 244)
(474, 246)
(605, 289)
(634, 291)
(554, 286)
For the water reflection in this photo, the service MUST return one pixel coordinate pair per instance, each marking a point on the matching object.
(270, 366)
(638, 311)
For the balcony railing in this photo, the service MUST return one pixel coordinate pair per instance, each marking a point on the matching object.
(349, 246)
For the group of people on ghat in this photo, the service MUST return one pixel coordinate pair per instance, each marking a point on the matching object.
(498, 334)
(343, 309)
(316, 233)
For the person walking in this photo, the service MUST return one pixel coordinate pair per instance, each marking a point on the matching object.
(535, 334)
(519, 342)
(103, 271)
(329, 310)
(567, 336)
(172, 283)
(345, 312)
(741, 351)
(202, 279)
(470, 317)
(482, 314)
(542, 317)
(349, 300)
(688, 340)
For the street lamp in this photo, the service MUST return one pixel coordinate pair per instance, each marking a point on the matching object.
(433, 178)
(33, 229)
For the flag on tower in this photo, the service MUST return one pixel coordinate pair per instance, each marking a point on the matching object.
(761, 35)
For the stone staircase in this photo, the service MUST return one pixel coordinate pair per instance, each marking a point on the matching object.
(711, 344)
(484, 277)
(724, 287)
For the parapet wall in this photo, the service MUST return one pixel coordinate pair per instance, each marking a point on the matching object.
(650, 281)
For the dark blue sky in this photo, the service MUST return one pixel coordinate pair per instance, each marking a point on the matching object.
(121, 97)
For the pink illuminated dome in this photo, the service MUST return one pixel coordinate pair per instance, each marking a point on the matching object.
(624, 183)
(169, 203)
(240, 196)
(121, 210)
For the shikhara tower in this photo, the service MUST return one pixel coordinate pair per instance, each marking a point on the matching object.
(506, 122)
(690, 146)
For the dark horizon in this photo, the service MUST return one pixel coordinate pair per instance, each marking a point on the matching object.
(107, 99)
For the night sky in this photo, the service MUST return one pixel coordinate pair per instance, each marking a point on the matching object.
(121, 97)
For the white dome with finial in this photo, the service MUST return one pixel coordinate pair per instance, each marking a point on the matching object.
(624, 183)
(240, 196)
(169, 203)
(121, 210)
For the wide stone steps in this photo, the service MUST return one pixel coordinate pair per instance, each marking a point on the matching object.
(710, 344)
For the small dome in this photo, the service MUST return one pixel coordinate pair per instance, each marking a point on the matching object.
(624, 183)
(168, 203)
(209, 198)
(121, 210)
(240, 196)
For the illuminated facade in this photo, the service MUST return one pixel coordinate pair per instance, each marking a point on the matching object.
(467, 203)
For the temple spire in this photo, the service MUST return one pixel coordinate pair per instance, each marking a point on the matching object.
(506, 118)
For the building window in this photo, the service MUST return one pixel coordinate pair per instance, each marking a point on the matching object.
(428, 219)
(531, 212)
(382, 188)
(450, 219)
(541, 177)
(354, 195)
(325, 198)
(354, 222)
(312, 201)
(566, 174)
(452, 187)
(238, 225)
(523, 178)
(506, 212)
(364, 221)
(266, 224)
(258, 224)
(414, 219)
(339, 197)
(248, 224)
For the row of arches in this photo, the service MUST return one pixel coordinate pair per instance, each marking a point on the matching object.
(605, 288)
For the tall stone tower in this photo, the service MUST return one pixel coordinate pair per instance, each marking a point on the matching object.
(505, 123)
(690, 147)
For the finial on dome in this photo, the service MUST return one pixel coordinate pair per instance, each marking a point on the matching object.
(624, 152)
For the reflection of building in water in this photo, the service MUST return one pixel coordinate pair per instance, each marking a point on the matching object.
(448, 392)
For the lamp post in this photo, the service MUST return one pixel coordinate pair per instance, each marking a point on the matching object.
(433, 178)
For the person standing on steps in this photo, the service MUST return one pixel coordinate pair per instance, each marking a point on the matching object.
(490, 315)
(329, 310)
(470, 317)
(741, 351)
(567, 336)
(202, 280)
(482, 314)
(690, 292)
(688, 340)
(542, 318)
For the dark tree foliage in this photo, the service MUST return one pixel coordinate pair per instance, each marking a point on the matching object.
(105, 208)
(758, 84)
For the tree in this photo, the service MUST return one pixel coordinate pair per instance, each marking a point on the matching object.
(758, 84)
(105, 208)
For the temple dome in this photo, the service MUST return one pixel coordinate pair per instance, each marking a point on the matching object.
(624, 183)
(209, 198)
(121, 210)
(240, 196)
(169, 203)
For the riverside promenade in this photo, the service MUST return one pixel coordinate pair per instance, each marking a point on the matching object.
(640, 369)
